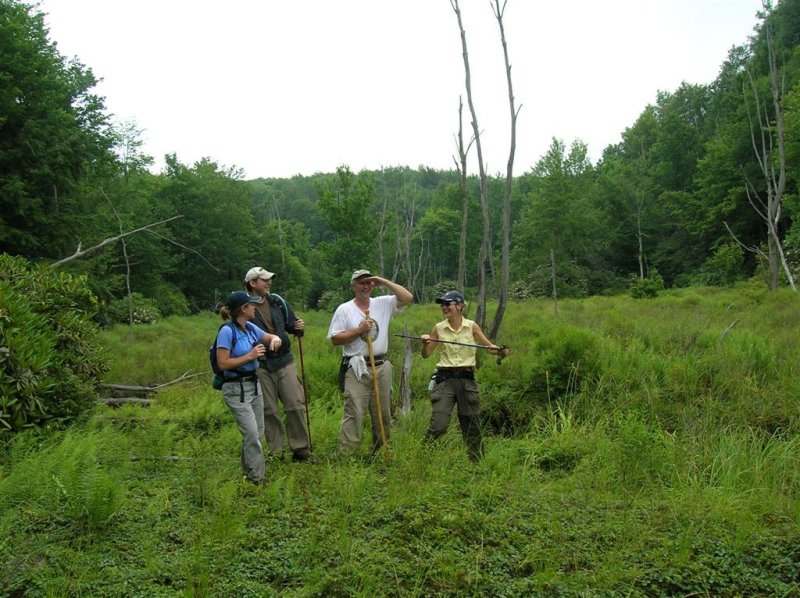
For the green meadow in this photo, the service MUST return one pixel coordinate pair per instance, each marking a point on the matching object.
(633, 448)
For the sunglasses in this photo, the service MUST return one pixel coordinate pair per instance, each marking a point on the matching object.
(449, 303)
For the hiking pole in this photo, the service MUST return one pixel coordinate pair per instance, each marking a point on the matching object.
(305, 392)
(500, 355)
(376, 390)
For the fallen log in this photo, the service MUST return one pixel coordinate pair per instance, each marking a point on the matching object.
(117, 401)
(150, 389)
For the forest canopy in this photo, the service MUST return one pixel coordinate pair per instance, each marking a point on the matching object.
(680, 200)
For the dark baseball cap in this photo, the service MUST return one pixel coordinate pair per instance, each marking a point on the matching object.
(451, 296)
(239, 298)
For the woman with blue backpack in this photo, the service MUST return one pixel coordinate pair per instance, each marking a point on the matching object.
(238, 346)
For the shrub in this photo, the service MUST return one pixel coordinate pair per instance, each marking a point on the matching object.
(142, 310)
(563, 359)
(443, 286)
(170, 301)
(571, 280)
(51, 362)
(520, 290)
(647, 288)
(725, 267)
(330, 300)
(638, 455)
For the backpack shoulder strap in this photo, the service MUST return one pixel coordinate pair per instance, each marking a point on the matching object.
(233, 333)
(251, 328)
(282, 301)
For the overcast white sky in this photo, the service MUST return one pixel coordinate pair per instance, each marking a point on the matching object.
(288, 87)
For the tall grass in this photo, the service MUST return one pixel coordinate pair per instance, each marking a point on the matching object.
(635, 448)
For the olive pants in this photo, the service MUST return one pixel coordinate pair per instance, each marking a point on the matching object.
(462, 393)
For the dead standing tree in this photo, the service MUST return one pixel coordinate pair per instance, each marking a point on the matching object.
(407, 261)
(483, 254)
(504, 270)
(768, 138)
(461, 167)
(771, 156)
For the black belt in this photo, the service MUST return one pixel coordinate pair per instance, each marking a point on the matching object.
(379, 359)
(443, 374)
(240, 378)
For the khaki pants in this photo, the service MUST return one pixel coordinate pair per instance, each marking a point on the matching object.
(357, 400)
(283, 385)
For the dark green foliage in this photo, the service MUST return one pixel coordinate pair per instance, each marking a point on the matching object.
(345, 203)
(443, 286)
(217, 224)
(661, 199)
(571, 280)
(52, 132)
(646, 288)
(725, 267)
(51, 364)
(767, 567)
(561, 360)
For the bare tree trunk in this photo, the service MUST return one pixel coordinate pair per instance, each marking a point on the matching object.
(404, 399)
(404, 254)
(765, 136)
(483, 254)
(640, 236)
(553, 272)
(278, 219)
(502, 299)
(771, 161)
(461, 167)
(382, 227)
(778, 185)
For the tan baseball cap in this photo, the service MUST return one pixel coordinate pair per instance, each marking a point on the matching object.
(359, 274)
(254, 273)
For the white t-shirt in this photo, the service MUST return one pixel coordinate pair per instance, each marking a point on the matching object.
(348, 316)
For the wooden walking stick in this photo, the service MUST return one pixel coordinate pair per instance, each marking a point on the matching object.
(376, 389)
(305, 392)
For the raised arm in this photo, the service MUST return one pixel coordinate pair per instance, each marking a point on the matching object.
(404, 296)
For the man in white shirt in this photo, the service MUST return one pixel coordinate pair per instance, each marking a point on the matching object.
(348, 329)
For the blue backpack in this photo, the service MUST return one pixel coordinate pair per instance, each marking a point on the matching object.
(219, 375)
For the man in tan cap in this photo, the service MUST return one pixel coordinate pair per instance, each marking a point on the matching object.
(277, 372)
(348, 330)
